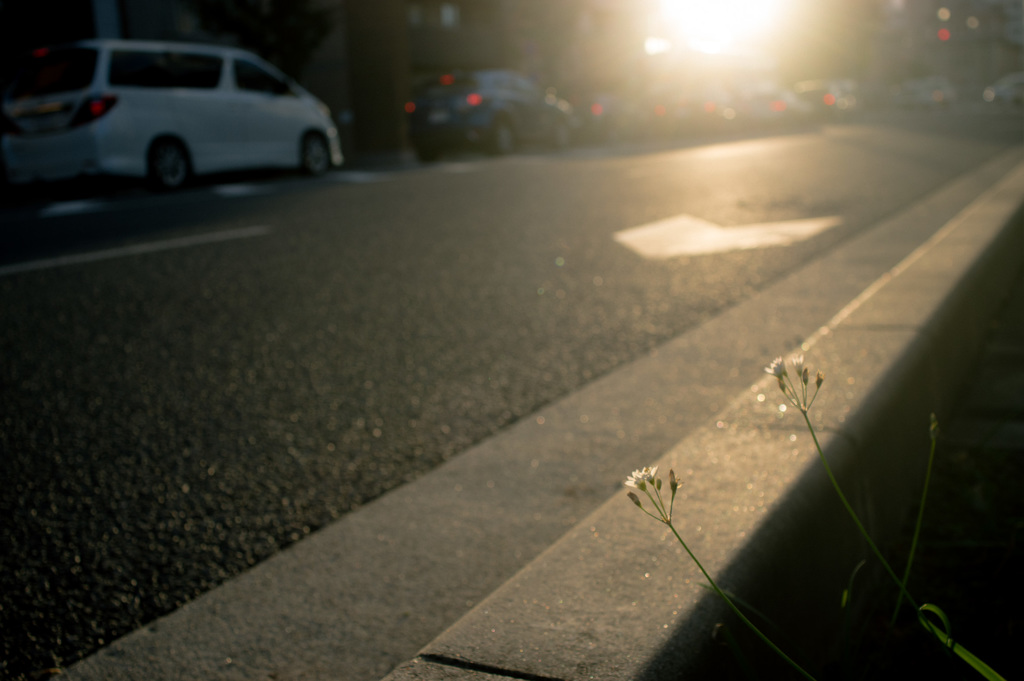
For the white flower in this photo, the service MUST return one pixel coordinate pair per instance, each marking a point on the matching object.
(640, 478)
(798, 365)
(777, 368)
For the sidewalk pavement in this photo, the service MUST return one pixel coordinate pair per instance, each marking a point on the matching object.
(522, 558)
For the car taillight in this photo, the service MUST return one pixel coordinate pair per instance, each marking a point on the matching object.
(93, 108)
(474, 99)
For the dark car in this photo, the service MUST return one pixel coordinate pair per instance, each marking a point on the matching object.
(491, 111)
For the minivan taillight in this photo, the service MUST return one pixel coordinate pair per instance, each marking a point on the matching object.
(93, 108)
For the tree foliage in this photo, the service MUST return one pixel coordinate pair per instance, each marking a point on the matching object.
(284, 32)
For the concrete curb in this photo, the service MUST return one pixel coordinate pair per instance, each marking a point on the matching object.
(616, 598)
(365, 594)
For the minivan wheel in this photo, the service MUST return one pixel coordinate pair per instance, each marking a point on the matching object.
(315, 156)
(168, 165)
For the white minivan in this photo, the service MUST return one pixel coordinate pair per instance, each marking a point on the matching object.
(164, 111)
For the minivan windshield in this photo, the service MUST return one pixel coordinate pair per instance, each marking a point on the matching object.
(47, 72)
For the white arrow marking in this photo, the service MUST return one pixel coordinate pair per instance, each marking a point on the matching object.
(687, 235)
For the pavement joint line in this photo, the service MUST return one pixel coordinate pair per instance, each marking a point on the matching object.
(447, 661)
(135, 249)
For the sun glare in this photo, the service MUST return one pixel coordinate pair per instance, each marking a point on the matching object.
(716, 26)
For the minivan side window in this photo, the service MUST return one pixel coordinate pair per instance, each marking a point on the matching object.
(48, 72)
(164, 69)
(249, 76)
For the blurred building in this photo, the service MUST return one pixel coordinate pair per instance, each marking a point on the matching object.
(378, 50)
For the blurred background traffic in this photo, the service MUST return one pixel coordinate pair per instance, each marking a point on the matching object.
(615, 69)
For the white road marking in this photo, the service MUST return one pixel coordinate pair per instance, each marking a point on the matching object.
(687, 235)
(70, 208)
(361, 176)
(136, 249)
(240, 189)
(459, 167)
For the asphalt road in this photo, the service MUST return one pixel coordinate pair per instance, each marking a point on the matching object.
(191, 382)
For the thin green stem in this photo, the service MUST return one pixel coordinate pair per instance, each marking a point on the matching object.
(853, 515)
(732, 606)
(917, 526)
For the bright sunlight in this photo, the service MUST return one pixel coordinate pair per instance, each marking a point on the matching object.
(717, 26)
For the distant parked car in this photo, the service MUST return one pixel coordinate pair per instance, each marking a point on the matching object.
(933, 91)
(1007, 90)
(488, 110)
(165, 111)
(606, 117)
(828, 97)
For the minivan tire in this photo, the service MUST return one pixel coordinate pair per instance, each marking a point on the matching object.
(315, 157)
(168, 164)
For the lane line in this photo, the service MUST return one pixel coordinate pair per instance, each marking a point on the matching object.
(239, 189)
(136, 249)
(361, 176)
(71, 208)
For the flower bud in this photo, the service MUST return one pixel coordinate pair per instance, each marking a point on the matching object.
(820, 379)
(635, 499)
